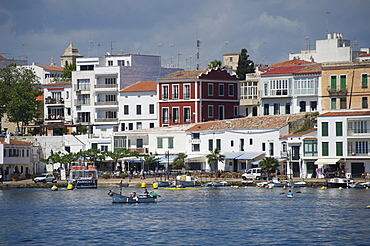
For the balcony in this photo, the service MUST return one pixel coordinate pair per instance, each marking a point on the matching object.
(337, 91)
(53, 117)
(54, 101)
(140, 150)
(106, 119)
(106, 103)
(78, 102)
(84, 87)
(106, 86)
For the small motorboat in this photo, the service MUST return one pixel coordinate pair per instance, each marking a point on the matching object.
(181, 188)
(216, 184)
(122, 184)
(133, 198)
(162, 183)
(297, 184)
(339, 182)
(359, 185)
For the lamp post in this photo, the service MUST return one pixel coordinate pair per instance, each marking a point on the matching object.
(168, 162)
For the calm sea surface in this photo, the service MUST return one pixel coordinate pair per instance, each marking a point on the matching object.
(208, 216)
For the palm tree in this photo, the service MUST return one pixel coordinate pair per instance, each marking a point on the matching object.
(121, 153)
(213, 159)
(149, 159)
(270, 164)
(214, 64)
(179, 161)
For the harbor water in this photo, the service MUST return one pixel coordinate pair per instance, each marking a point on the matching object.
(208, 216)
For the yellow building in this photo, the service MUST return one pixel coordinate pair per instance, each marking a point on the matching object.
(345, 85)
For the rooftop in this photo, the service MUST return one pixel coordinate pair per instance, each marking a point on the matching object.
(141, 86)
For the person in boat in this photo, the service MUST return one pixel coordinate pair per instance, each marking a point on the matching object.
(182, 186)
(290, 193)
(146, 192)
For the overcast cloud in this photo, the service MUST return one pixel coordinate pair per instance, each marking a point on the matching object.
(268, 29)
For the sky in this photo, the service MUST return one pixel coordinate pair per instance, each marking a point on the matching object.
(41, 30)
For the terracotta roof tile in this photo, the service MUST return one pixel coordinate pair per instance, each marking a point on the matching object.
(293, 62)
(58, 84)
(141, 86)
(14, 142)
(52, 68)
(364, 55)
(41, 97)
(300, 134)
(283, 70)
(345, 113)
(2, 57)
(313, 68)
(258, 122)
(184, 74)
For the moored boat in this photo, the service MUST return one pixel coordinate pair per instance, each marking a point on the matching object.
(83, 177)
(181, 188)
(132, 198)
(339, 183)
(216, 184)
(359, 185)
(162, 183)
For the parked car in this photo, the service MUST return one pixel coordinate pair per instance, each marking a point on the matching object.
(45, 177)
(255, 173)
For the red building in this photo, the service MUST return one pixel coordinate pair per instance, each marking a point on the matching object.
(197, 96)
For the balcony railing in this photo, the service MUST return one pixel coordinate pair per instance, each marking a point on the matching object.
(140, 150)
(106, 103)
(113, 86)
(53, 101)
(78, 102)
(358, 132)
(106, 119)
(84, 87)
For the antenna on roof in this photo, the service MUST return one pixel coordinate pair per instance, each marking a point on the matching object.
(198, 47)
(90, 48)
(327, 22)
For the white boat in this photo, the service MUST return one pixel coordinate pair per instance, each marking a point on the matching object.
(83, 177)
(297, 184)
(185, 180)
(216, 184)
(339, 183)
(359, 185)
(132, 198)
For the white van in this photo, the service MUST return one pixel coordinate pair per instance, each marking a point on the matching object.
(255, 173)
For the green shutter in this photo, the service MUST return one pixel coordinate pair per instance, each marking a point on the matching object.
(333, 83)
(218, 144)
(364, 80)
(210, 144)
(339, 148)
(324, 129)
(170, 143)
(338, 129)
(159, 143)
(343, 83)
(333, 103)
(325, 148)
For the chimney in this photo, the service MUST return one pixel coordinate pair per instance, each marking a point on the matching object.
(7, 137)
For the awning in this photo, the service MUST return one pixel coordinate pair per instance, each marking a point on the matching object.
(232, 155)
(196, 159)
(165, 158)
(328, 161)
(256, 162)
(249, 155)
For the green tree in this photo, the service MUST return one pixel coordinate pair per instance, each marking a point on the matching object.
(119, 154)
(213, 159)
(214, 64)
(67, 72)
(244, 65)
(179, 161)
(149, 159)
(19, 89)
(270, 164)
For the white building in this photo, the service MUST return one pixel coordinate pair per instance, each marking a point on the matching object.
(47, 74)
(138, 106)
(333, 49)
(291, 89)
(242, 141)
(344, 143)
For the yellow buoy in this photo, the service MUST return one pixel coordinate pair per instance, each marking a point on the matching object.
(340, 188)
(323, 187)
(70, 187)
(54, 187)
(155, 186)
(143, 185)
(367, 188)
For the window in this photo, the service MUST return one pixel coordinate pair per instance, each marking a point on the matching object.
(123, 127)
(333, 83)
(302, 105)
(83, 84)
(276, 108)
(266, 109)
(165, 92)
(333, 103)
(241, 144)
(271, 150)
(165, 115)
(104, 147)
(170, 143)
(110, 81)
(305, 86)
(221, 90)
(131, 126)
(139, 143)
(83, 117)
(338, 128)
(231, 143)
(287, 108)
(139, 125)
(210, 144)
(310, 148)
(360, 127)
(110, 98)
(221, 112)
(236, 111)
(138, 109)
(121, 63)
(251, 141)
(110, 114)
(313, 105)
(210, 89)
(175, 115)
(159, 143)
(186, 91)
(343, 83)
(339, 148)
(151, 108)
(86, 67)
(254, 111)
(151, 125)
(210, 111)
(358, 147)
(364, 80)
(343, 103)
(231, 90)
(263, 146)
(110, 63)
(325, 148)
(195, 147)
(175, 92)
(186, 114)
(218, 144)
(364, 102)
(125, 109)
(249, 90)
(195, 135)
(278, 87)
(324, 129)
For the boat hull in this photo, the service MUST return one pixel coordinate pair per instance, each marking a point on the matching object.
(117, 198)
(84, 183)
(179, 188)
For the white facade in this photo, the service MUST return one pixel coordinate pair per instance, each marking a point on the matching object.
(333, 49)
(344, 141)
(58, 103)
(47, 74)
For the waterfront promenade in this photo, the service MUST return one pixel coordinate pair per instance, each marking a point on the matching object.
(137, 182)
